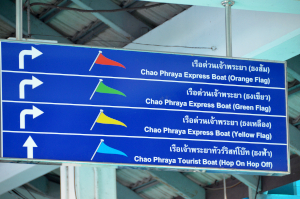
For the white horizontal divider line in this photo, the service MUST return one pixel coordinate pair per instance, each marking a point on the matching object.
(127, 78)
(143, 108)
(143, 137)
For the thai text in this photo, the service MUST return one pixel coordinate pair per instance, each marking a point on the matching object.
(217, 93)
(213, 121)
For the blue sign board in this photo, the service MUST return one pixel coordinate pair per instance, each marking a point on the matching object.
(131, 108)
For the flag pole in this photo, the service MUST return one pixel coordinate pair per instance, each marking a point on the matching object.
(95, 59)
(101, 111)
(97, 148)
(100, 80)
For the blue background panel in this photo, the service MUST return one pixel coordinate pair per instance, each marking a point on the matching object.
(63, 132)
(78, 90)
(78, 60)
(82, 148)
(75, 119)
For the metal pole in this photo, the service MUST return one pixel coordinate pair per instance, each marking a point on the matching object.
(28, 19)
(228, 5)
(224, 184)
(19, 20)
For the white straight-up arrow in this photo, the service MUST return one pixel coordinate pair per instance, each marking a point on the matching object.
(33, 52)
(35, 82)
(35, 112)
(29, 144)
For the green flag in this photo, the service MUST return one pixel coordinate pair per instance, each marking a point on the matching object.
(102, 88)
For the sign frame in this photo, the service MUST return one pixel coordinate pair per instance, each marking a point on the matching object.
(148, 166)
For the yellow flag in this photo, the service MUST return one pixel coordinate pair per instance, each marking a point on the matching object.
(103, 119)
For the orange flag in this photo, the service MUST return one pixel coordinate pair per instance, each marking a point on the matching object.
(105, 61)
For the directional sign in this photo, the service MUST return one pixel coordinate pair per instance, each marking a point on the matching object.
(33, 52)
(124, 107)
(35, 112)
(34, 82)
(29, 144)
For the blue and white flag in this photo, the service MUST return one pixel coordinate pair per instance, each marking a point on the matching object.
(103, 148)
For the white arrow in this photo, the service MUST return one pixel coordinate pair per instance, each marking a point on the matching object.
(33, 52)
(35, 112)
(29, 144)
(35, 82)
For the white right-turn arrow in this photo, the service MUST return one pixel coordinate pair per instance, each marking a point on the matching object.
(33, 52)
(35, 82)
(35, 112)
(29, 144)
